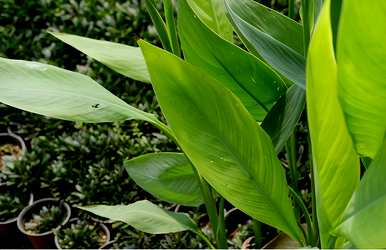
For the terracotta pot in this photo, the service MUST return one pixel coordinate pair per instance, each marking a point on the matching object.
(101, 225)
(43, 240)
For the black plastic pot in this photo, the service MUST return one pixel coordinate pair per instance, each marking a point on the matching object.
(10, 138)
(43, 240)
(10, 236)
(102, 226)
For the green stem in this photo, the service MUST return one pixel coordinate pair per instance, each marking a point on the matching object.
(306, 24)
(310, 232)
(257, 230)
(220, 233)
(171, 27)
(292, 161)
(291, 9)
(311, 169)
(207, 241)
(210, 204)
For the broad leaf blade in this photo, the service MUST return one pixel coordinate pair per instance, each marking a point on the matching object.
(283, 117)
(59, 93)
(364, 220)
(336, 165)
(222, 140)
(269, 34)
(362, 66)
(168, 176)
(124, 59)
(213, 14)
(146, 217)
(250, 79)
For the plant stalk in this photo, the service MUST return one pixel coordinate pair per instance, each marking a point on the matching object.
(291, 9)
(257, 230)
(171, 27)
(220, 232)
(306, 24)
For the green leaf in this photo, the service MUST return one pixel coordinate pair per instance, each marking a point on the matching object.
(283, 117)
(213, 14)
(167, 176)
(159, 24)
(59, 93)
(145, 216)
(126, 60)
(254, 82)
(222, 140)
(362, 66)
(363, 222)
(271, 35)
(336, 165)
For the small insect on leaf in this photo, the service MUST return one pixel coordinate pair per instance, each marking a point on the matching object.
(95, 106)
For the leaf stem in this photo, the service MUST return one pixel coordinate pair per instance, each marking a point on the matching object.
(291, 9)
(171, 28)
(221, 234)
(257, 230)
(306, 25)
(310, 232)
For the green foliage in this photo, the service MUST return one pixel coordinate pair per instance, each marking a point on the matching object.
(333, 151)
(172, 177)
(215, 127)
(47, 218)
(81, 234)
(145, 216)
(11, 204)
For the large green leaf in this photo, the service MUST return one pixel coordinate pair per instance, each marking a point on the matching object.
(364, 220)
(336, 165)
(255, 83)
(362, 72)
(59, 93)
(222, 139)
(213, 14)
(271, 35)
(124, 59)
(283, 117)
(145, 216)
(168, 176)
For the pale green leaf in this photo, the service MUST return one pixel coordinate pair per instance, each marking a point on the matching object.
(336, 165)
(271, 35)
(59, 93)
(222, 140)
(167, 176)
(124, 59)
(213, 14)
(145, 216)
(362, 72)
(364, 220)
(249, 78)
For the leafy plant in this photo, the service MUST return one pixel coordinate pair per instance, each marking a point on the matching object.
(231, 111)
(11, 203)
(81, 234)
(46, 219)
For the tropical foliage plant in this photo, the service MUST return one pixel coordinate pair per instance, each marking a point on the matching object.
(232, 111)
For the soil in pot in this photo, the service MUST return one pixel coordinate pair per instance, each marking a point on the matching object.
(12, 148)
(39, 221)
(12, 203)
(82, 234)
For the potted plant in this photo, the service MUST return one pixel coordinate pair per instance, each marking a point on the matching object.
(82, 234)
(12, 202)
(12, 148)
(39, 220)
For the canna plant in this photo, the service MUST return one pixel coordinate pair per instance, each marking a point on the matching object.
(233, 110)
